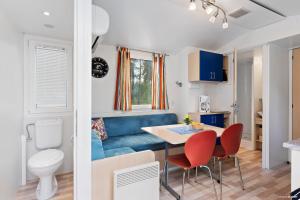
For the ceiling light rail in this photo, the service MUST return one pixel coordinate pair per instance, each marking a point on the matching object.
(211, 7)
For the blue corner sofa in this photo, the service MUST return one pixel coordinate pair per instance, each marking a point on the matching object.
(126, 136)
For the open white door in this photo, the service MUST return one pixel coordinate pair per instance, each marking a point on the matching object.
(234, 81)
(82, 98)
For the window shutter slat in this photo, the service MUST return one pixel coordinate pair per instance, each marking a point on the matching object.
(50, 77)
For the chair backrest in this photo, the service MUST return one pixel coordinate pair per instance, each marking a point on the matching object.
(231, 139)
(199, 147)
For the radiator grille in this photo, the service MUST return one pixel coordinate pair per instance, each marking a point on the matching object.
(138, 175)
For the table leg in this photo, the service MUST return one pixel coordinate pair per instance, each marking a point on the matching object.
(166, 175)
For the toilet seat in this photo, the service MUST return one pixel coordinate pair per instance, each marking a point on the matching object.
(46, 158)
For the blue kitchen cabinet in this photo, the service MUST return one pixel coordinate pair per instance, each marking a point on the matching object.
(213, 120)
(205, 66)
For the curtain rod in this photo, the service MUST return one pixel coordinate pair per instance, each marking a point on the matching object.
(144, 51)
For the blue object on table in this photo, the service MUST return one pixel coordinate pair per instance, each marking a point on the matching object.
(184, 130)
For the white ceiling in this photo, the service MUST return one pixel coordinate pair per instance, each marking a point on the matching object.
(286, 7)
(168, 25)
(28, 16)
(159, 25)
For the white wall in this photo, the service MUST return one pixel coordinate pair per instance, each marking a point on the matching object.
(181, 99)
(244, 92)
(278, 104)
(29, 118)
(103, 89)
(220, 93)
(11, 107)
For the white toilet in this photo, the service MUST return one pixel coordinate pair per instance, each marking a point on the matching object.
(48, 136)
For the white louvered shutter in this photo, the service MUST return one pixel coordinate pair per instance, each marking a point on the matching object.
(51, 77)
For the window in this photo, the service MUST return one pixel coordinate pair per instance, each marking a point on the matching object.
(50, 77)
(141, 83)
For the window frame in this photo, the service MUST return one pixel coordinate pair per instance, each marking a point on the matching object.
(139, 55)
(30, 42)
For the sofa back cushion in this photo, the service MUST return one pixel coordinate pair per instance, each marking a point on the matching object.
(130, 125)
(97, 148)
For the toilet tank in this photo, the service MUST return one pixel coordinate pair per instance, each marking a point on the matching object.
(48, 133)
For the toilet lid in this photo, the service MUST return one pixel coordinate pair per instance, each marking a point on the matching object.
(46, 158)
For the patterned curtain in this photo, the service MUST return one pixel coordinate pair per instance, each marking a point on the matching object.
(159, 90)
(123, 86)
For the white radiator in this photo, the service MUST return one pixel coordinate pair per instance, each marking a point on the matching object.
(137, 183)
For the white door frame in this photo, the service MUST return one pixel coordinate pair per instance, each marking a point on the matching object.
(265, 82)
(82, 98)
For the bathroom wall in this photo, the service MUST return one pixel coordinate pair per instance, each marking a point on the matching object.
(11, 106)
(29, 118)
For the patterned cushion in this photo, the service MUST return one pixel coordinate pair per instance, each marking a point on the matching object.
(99, 128)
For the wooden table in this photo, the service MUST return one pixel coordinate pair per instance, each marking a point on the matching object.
(172, 138)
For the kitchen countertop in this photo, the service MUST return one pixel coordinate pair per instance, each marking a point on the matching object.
(292, 145)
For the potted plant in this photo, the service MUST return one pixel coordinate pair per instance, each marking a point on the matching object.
(188, 121)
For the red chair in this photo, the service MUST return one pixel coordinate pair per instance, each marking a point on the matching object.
(230, 144)
(198, 150)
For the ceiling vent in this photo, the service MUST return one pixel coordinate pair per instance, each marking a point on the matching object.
(239, 13)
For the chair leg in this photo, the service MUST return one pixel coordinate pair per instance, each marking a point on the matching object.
(196, 177)
(212, 180)
(183, 181)
(238, 164)
(214, 165)
(220, 177)
(188, 175)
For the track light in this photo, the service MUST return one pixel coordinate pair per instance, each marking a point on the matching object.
(225, 24)
(211, 7)
(192, 5)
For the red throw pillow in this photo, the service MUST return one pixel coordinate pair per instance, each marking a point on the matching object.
(99, 128)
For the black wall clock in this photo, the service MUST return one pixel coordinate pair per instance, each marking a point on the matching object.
(99, 67)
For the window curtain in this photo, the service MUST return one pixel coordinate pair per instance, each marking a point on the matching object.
(159, 90)
(123, 86)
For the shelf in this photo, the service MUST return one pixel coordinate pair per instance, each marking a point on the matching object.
(258, 121)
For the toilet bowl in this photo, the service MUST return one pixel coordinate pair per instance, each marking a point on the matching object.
(44, 164)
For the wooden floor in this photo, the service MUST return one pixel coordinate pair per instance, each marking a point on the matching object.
(65, 190)
(260, 184)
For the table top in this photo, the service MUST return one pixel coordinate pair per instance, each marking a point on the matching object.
(293, 145)
(164, 133)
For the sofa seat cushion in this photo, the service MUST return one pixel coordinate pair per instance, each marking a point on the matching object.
(138, 142)
(118, 151)
(97, 148)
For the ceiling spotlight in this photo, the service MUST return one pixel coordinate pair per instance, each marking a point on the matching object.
(209, 9)
(213, 18)
(225, 24)
(46, 13)
(192, 5)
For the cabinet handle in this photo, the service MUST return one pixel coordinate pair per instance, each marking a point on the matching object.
(214, 75)
(211, 74)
